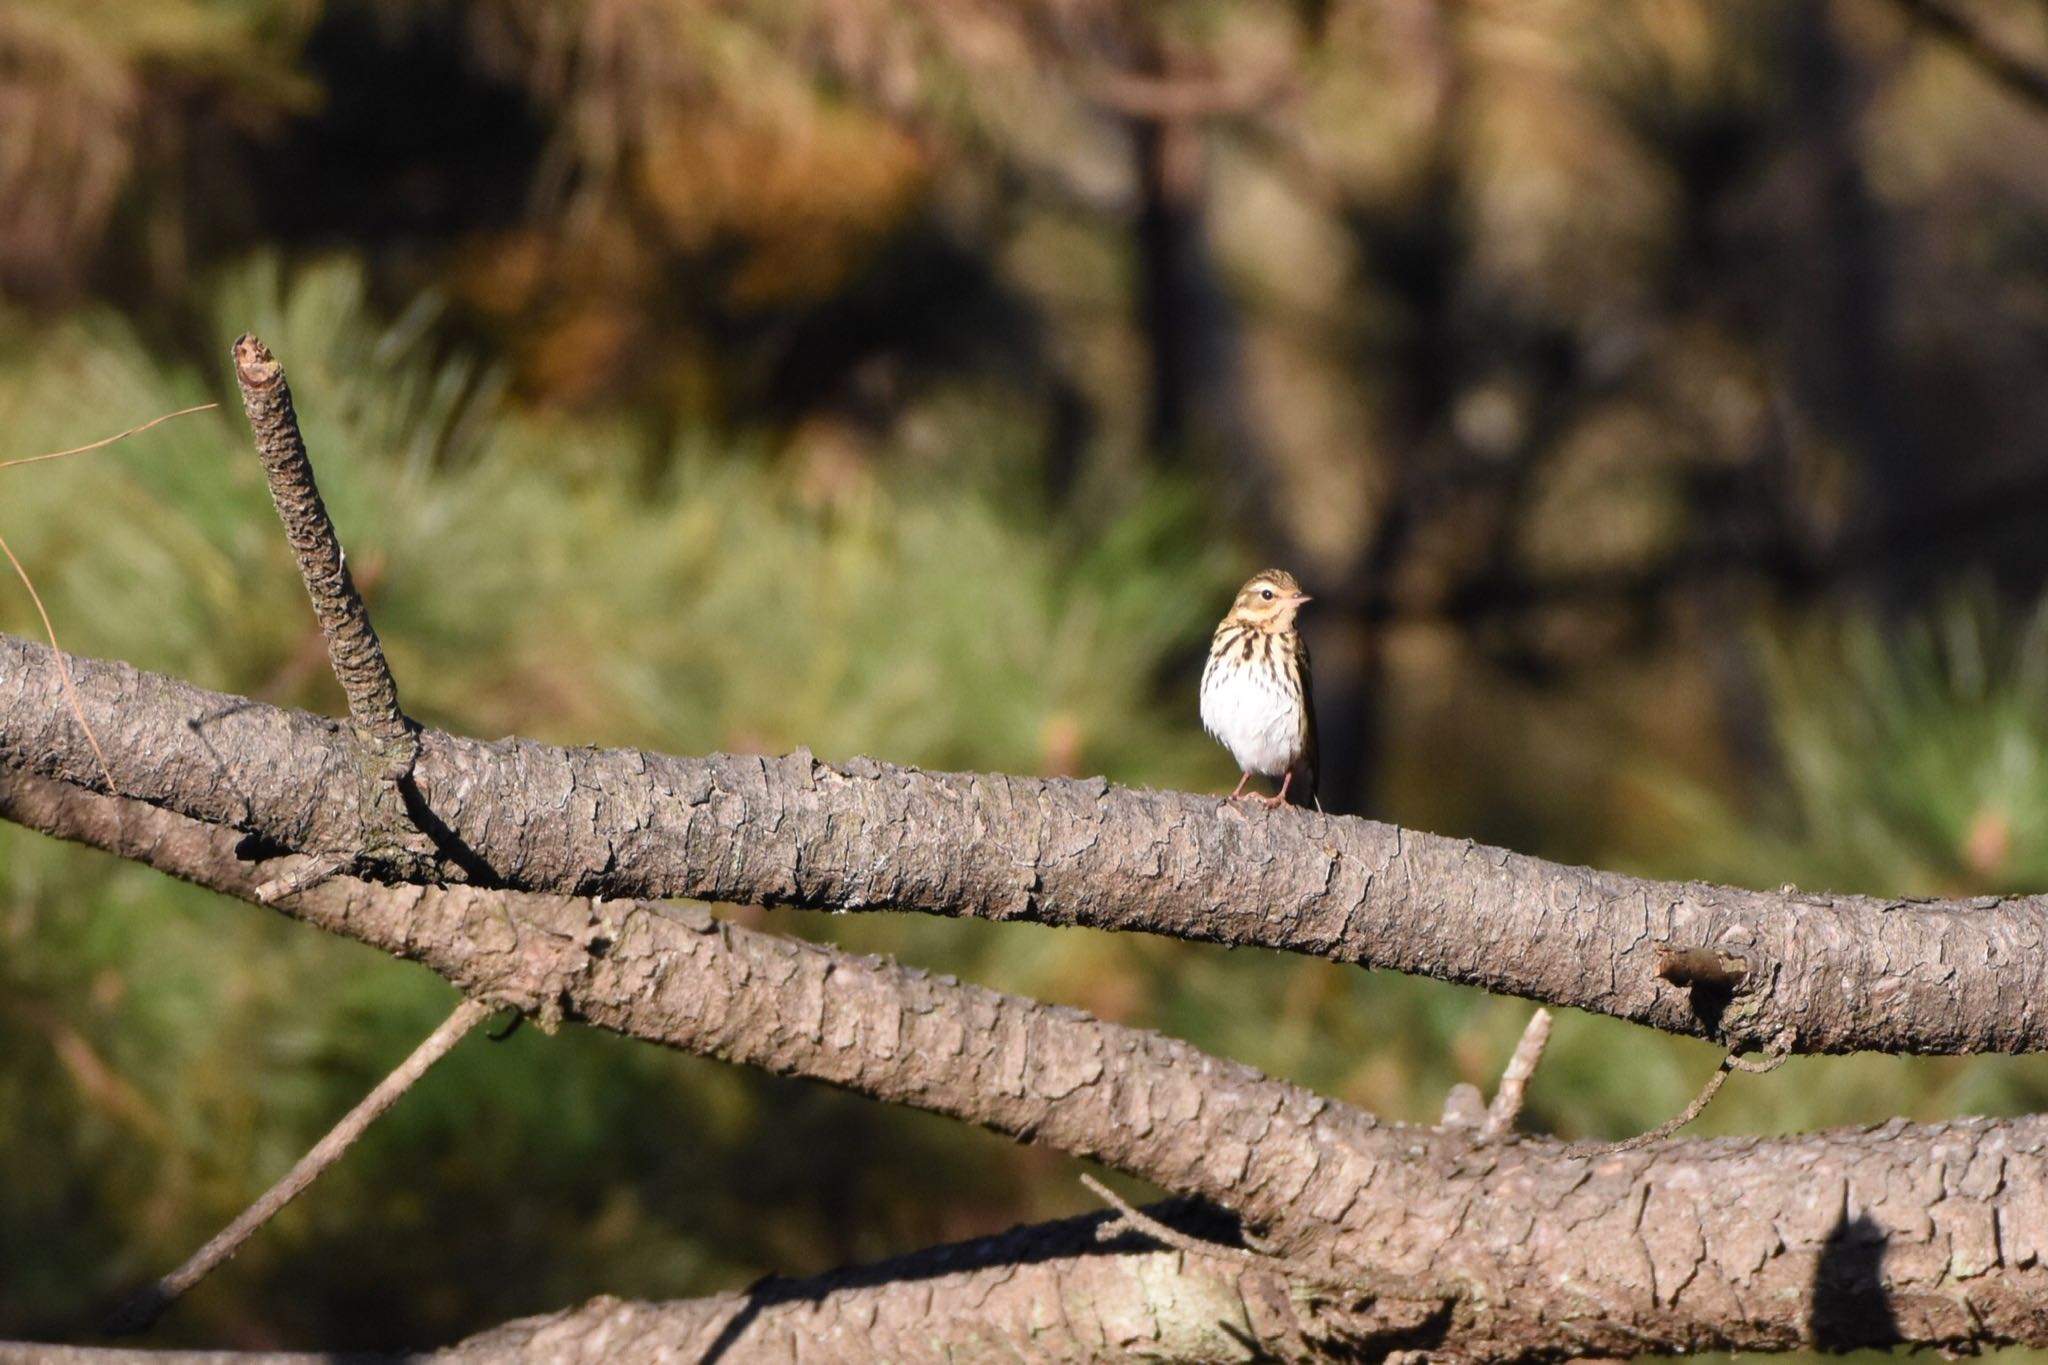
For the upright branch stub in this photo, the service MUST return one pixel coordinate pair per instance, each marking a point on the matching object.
(352, 647)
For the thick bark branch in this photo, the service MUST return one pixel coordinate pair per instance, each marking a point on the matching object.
(1832, 974)
(1043, 1294)
(1153, 1106)
(1928, 1234)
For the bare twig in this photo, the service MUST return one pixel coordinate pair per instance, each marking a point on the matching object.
(63, 668)
(303, 877)
(148, 1305)
(1514, 1081)
(106, 441)
(1773, 1058)
(352, 646)
(1420, 1292)
(1685, 1116)
(1780, 1049)
(1173, 1237)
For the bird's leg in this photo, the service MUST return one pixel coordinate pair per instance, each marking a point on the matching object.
(1278, 798)
(1238, 793)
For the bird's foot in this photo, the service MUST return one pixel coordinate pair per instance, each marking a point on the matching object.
(1278, 798)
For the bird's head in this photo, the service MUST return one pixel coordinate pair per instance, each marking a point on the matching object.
(1268, 601)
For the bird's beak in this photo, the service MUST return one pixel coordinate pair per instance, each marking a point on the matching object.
(1298, 598)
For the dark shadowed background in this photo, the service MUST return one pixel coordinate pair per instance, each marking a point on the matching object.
(1653, 394)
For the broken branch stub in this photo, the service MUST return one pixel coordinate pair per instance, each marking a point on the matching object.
(352, 646)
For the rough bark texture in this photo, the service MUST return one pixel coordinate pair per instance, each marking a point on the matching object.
(1150, 1105)
(1823, 973)
(1046, 1294)
(1528, 1249)
(352, 648)
(1856, 1239)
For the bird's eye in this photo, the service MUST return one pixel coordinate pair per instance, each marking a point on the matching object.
(1266, 593)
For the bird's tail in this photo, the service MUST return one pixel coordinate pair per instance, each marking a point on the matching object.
(1301, 785)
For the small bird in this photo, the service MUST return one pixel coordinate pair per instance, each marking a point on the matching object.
(1255, 690)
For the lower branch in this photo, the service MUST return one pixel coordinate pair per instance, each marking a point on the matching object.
(1904, 1234)
(1047, 1295)
(1152, 1106)
(1056, 1294)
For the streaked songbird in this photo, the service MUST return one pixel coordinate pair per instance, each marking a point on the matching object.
(1255, 690)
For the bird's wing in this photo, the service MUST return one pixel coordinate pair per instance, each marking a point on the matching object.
(1305, 767)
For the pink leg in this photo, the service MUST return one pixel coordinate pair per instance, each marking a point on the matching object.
(1280, 797)
(1238, 793)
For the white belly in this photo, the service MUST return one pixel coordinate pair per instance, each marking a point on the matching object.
(1254, 717)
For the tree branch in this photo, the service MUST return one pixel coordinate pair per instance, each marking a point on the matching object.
(1832, 974)
(1052, 1293)
(1152, 1106)
(145, 1307)
(1934, 1235)
(1514, 1080)
(352, 647)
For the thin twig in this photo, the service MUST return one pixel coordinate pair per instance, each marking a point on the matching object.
(106, 441)
(1774, 1057)
(1298, 1272)
(1174, 1237)
(1514, 1081)
(63, 668)
(1687, 1115)
(304, 877)
(352, 647)
(149, 1304)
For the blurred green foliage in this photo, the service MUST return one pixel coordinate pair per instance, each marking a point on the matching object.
(1911, 757)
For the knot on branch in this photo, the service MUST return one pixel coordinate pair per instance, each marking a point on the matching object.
(1695, 968)
(1712, 979)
